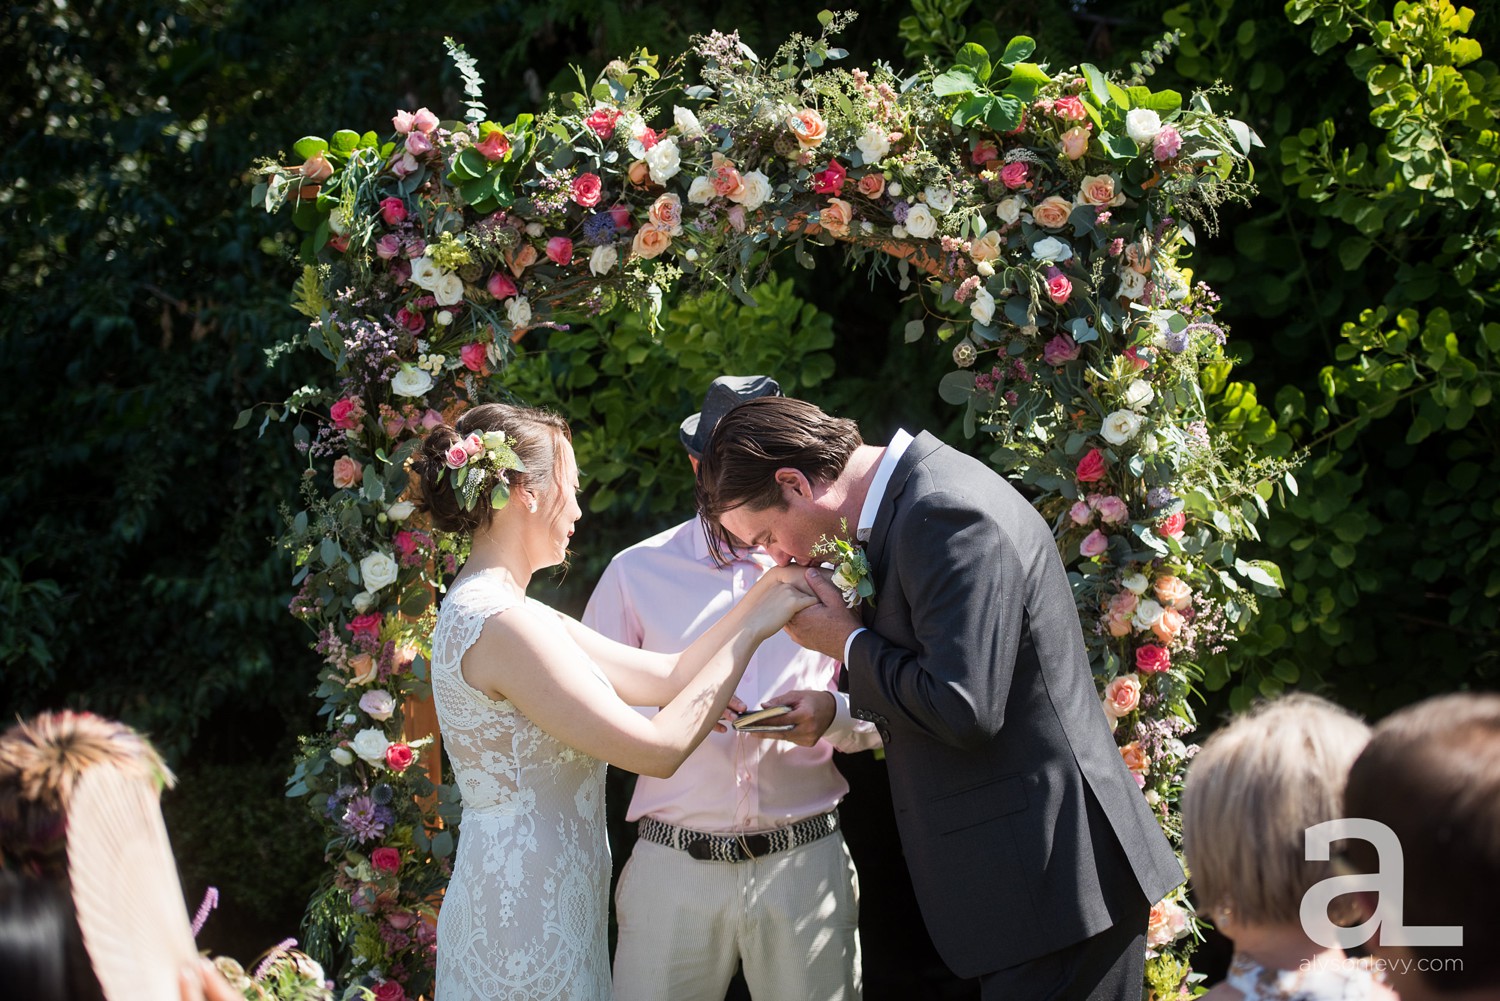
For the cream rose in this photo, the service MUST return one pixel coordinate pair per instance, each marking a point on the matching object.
(874, 145)
(400, 511)
(982, 309)
(1009, 210)
(411, 381)
(664, 160)
(1142, 125)
(363, 601)
(1132, 284)
(1147, 612)
(756, 188)
(342, 755)
(377, 570)
(686, 122)
(1121, 426)
(424, 273)
(603, 259)
(701, 191)
(518, 312)
(1135, 583)
(1052, 212)
(939, 199)
(1139, 394)
(921, 223)
(370, 745)
(1051, 249)
(378, 704)
(448, 290)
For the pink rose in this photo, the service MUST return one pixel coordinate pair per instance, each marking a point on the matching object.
(387, 247)
(621, 216)
(1052, 212)
(345, 415)
(496, 146)
(500, 286)
(1173, 592)
(398, 757)
(1171, 526)
(1123, 603)
(736, 217)
(1112, 510)
(560, 250)
(404, 164)
(474, 357)
(386, 859)
(602, 122)
(1091, 467)
(587, 190)
(417, 143)
(473, 444)
(339, 242)
(1099, 190)
(431, 419)
(1167, 144)
(414, 248)
(402, 122)
(411, 319)
(401, 920)
(1152, 659)
(393, 211)
(872, 186)
(424, 120)
(1096, 543)
(317, 168)
(366, 627)
(725, 178)
(1081, 513)
(1015, 175)
(831, 180)
(1069, 108)
(1122, 695)
(1167, 923)
(984, 153)
(1168, 625)
(1060, 349)
(1075, 142)
(456, 456)
(347, 471)
(388, 990)
(666, 212)
(1059, 288)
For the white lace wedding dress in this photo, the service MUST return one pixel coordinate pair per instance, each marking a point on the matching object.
(524, 918)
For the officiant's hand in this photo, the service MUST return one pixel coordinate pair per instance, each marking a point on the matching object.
(824, 627)
(811, 716)
(731, 711)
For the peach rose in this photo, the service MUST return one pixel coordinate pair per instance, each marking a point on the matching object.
(1137, 259)
(1173, 592)
(1122, 695)
(1075, 142)
(1099, 189)
(666, 212)
(1167, 923)
(347, 471)
(1135, 758)
(362, 669)
(872, 186)
(650, 241)
(808, 126)
(836, 216)
(520, 258)
(639, 172)
(986, 248)
(1167, 626)
(1053, 212)
(317, 168)
(1118, 624)
(725, 178)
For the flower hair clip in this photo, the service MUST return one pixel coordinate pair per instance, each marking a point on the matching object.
(851, 574)
(482, 461)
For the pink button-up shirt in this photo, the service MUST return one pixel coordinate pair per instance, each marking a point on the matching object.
(663, 593)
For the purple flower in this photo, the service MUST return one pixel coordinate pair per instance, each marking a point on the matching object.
(898, 212)
(363, 819)
(1159, 497)
(599, 229)
(1177, 340)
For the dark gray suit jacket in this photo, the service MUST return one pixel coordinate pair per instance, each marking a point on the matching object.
(1011, 797)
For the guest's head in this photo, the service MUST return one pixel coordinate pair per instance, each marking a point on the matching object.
(542, 484)
(41, 952)
(724, 394)
(765, 476)
(1431, 773)
(1252, 791)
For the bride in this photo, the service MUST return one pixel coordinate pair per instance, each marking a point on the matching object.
(532, 705)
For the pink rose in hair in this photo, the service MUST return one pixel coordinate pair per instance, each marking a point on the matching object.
(393, 211)
(456, 456)
(473, 444)
(347, 472)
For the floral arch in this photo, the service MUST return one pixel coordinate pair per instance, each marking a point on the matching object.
(1041, 216)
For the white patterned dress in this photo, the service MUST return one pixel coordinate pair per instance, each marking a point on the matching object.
(525, 915)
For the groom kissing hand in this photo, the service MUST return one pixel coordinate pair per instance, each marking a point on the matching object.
(1034, 857)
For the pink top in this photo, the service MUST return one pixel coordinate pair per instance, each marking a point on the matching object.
(663, 593)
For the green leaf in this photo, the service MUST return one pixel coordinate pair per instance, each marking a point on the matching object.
(1352, 252)
(912, 333)
(974, 58)
(345, 142)
(1016, 49)
(309, 146)
(956, 387)
(825, 17)
(955, 81)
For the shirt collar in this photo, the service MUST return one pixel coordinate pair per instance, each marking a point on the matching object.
(893, 453)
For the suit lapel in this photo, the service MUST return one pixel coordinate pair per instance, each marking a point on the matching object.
(921, 447)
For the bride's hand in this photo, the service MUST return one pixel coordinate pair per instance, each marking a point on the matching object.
(779, 595)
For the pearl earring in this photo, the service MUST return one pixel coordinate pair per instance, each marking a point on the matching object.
(532, 506)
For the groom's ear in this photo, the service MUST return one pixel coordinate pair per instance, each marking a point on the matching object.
(793, 483)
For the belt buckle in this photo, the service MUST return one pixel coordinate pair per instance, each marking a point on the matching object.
(744, 845)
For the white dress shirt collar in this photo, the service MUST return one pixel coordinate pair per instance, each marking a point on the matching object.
(893, 453)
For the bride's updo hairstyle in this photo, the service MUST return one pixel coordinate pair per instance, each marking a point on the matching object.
(534, 435)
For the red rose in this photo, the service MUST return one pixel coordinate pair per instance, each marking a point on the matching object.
(398, 757)
(495, 146)
(1151, 658)
(393, 211)
(474, 357)
(1091, 467)
(984, 153)
(339, 242)
(366, 626)
(586, 190)
(500, 286)
(1135, 359)
(621, 216)
(830, 181)
(389, 990)
(345, 415)
(602, 122)
(1171, 526)
(386, 859)
(411, 319)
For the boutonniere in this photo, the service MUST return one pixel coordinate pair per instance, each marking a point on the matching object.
(851, 574)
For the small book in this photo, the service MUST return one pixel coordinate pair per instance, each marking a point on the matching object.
(755, 721)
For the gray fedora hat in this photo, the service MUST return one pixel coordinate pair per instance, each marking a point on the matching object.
(724, 394)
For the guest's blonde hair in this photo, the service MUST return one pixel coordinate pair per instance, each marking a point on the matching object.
(1252, 792)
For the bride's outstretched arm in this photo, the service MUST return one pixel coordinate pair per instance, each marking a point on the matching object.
(526, 656)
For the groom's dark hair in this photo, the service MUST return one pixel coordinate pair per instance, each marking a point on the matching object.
(758, 437)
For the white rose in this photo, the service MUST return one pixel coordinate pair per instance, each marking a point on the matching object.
(920, 222)
(400, 511)
(378, 704)
(939, 199)
(535, 229)
(1009, 210)
(603, 259)
(443, 318)
(894, 189)
(1132, 283)
(370, 745)
(424, 273)
(664, 160)
(1120, 426)
(898, 231)
(518, 312)
(873, 145)
(377, 570)
(1142, 125)
(701, 191)
(1146, 614)
(448, 289)
(1139, 394)
(1051, 249)
(411, 381)
(686, 122)
(755, 190)
(342, 755)
(984, 269)
(1136, 583)
(983, 306)
(363, 601)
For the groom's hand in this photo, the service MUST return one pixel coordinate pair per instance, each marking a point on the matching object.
(812, 714)
(824, 627)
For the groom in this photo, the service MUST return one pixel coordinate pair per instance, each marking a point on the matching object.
(1034, 856)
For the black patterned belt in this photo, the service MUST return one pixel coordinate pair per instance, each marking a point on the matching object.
(707, 847)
